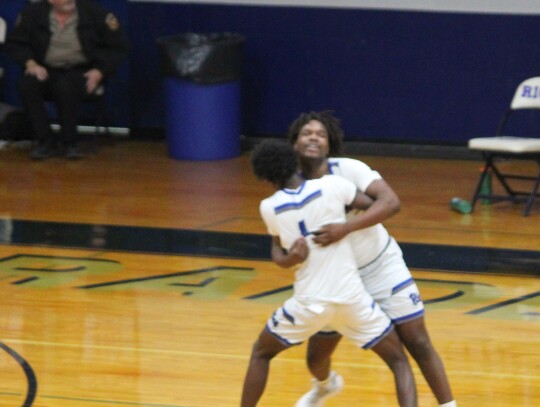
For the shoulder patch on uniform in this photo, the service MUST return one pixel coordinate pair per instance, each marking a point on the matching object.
(112, 22)
(18, 20)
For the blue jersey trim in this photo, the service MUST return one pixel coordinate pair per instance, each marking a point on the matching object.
(331, 165)
(288, 316)
(328, 333)
(295, 191)
(402, 285)
(279, 338)
(374, 341)
(297, 205)
(409, 317)
(379, 255)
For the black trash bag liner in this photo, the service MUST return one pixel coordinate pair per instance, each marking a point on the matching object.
(202, 58)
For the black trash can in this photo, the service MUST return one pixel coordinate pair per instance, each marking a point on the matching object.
(202, 91)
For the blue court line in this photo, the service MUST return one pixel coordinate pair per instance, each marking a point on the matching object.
(503, 303)
(244, 246)
(28, 372)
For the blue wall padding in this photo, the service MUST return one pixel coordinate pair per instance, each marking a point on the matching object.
(389, 75)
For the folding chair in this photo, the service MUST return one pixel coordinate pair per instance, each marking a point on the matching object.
(499, 149)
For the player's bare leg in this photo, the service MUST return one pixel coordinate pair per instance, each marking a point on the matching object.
(264, 350)
(415, 337)
(391, 351)
(326, 383)
(319, 352)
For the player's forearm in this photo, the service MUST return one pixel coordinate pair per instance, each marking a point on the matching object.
(296, 254)
(285, 260)
(381, 210)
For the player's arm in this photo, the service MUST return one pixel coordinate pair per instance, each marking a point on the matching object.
(297, 253)
(333, 232)
(385, 204)
(361, 201)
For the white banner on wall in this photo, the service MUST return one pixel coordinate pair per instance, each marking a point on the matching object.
(464, 6)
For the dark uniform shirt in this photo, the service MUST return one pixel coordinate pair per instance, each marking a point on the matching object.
(103, 41)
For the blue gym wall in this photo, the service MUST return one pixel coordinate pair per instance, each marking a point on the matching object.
(429, 76)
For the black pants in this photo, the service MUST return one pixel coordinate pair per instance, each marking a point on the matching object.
(66, 88)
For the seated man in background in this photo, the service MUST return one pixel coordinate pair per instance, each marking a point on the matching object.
(66, 49)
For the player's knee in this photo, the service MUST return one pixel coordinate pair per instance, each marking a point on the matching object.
(419, 347)
(398, 362)
(266, 348)
(258, 351)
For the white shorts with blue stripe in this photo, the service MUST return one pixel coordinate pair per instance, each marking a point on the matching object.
(391, 285)
(362, 322)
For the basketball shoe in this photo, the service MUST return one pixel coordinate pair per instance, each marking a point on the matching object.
(321, 391)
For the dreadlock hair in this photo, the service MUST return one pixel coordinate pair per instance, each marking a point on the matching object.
(274, 161)
(332, 125)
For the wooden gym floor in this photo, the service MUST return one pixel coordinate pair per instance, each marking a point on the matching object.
(132, 279)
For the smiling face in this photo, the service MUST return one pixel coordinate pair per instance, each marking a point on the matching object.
(317, 125)
(312, 141)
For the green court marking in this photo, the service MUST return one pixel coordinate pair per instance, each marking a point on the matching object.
(214, 283)
(39, 271)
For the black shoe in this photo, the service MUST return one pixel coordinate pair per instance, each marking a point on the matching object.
(43, 150)
(73, 151)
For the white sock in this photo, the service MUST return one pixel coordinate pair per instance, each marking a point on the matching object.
(327, 380)
(449, 404)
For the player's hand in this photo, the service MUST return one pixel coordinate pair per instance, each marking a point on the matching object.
(299, 250)
(330, 233)
(34, 69)
(93, 79)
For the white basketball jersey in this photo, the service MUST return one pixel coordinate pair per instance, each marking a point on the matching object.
(329, 273)
(367, 243)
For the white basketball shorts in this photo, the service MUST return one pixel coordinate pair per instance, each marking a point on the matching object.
(391, 285)
(363, 322)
